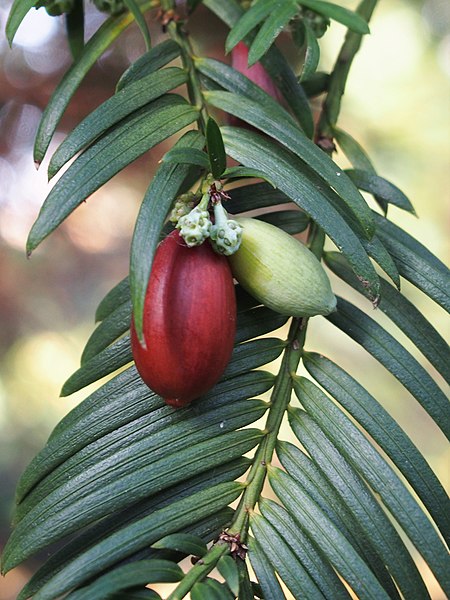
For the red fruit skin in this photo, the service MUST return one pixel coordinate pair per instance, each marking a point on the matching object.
(256, 73)
(189, 321)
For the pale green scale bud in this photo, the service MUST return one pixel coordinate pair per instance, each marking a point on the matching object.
(183, 206)
(226, 234)
(195, 226)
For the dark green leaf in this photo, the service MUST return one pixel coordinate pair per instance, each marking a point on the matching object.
(108, 331)
(395, 358)
(120, 146)
(291, 221)
(274, 24)
(255, 195)
(283, 558)
(216, 149)
(107, 361)
(94, 48)
(16, 15)
(353, 151)
(240, 172)
(251, 355)
(293, 178)
(229, 12)
(320, 490)
(357, 497)
(135, 10)
(217, 591)
(249, 20)
(68, 508)
(256, 322)
(271, 123)
(207, 528)
(159, 56)
(187, 156)
(135, 536)
(386, 432)
(415, 262)
(75, 29)
(118, 295)
(121, 105)
(310, 556)
(350, 19)
(380, 188)
(326, 535)
(404, 314)
(352, 444)
(227, 567)
(182, 542)
(316, 84)
(264, 571)
(126, 576)
(312, 53)
(157, 201)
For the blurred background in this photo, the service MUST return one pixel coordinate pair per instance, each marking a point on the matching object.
(397, 105)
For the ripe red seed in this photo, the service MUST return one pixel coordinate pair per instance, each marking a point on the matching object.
(256, 73)
(189, 321)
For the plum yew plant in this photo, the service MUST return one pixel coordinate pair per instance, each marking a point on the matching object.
(126, 486)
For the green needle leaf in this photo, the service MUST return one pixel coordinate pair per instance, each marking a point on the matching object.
(350, 19)
(280, 16)
(216, 149)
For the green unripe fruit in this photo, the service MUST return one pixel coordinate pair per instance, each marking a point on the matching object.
(281, 272)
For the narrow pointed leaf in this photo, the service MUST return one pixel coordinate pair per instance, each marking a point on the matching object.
(254, 354)
(310, 556)
(289, 135)
(94, 48)
(40, 528)
(120, 146)
(227, 567)
(358, 498)
(108, 331)
(312, 54)
(242, 172)
(291, 221)
(17, 13)
(335, 546)
(113, 110)
(302, 468)
(182, 542)
(249, 20)
(75, 29)
(126, 576)
(380, 188)
(395, 358)
(383, 480)
(255, 195)
(274, 24)
(157, 202)
(353, 151)
(404, 314)
(119, 294)
(283, 558)
(135, 10)
(386, 432)
(216, 149)
(290, 176)
(138, 535)
(415, 262)
(159, 56)
(256, 322)
(187, 156)
(350, 19)
(208, 527)
(264, 571)
(107, 361)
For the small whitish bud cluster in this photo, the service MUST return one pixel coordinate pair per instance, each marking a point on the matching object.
(226, 234)
(55, 8)
(195, 226)
(111, 7)
(183, 206)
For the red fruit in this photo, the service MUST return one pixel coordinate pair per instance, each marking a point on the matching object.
(189, 321)
(256, 73)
